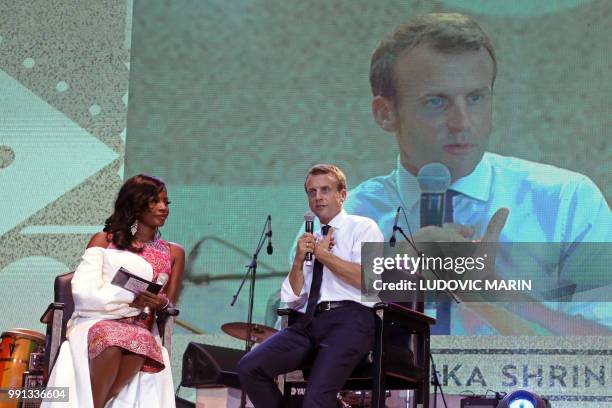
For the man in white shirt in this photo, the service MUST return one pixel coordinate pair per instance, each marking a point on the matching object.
(336, 329)
(432, 81)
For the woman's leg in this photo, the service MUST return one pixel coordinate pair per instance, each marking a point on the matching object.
(129, 366)
(103, 371)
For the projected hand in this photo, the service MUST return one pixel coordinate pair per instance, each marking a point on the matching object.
(457, 241)
(452, 232)
(496, 224)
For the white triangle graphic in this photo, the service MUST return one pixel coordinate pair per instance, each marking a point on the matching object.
(52, 153)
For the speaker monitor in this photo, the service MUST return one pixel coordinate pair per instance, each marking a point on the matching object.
(206, 366)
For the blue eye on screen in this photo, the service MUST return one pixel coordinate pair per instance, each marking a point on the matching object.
(435, 102)
(472, 99)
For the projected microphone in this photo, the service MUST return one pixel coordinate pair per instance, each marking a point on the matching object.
(392, 239)
(309, 227)
(434, 179)
(269, 248)
(162, 279)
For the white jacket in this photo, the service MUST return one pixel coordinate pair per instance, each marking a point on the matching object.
(95, 299)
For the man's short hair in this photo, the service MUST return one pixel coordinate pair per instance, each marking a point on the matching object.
(324, 168)
(444, 32)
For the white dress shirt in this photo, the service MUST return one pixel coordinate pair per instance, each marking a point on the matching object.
(350, 231)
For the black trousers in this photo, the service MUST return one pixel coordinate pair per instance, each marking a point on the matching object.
(335, 341)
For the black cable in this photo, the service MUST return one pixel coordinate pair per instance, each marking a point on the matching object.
(189, 275)
(409, 229)
(411, 239)
(498, 395)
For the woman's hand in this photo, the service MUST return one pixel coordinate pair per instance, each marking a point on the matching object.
(153, 301)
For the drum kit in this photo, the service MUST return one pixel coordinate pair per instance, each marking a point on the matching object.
(21, 363)
(238, 330)
(259, 333)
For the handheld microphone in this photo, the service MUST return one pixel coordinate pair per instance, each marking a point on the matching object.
(434, 179)
(162, 279)
(269, 248)
(309, 227)
(392, 239)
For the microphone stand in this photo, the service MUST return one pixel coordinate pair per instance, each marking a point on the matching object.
(436, 383)
(435, 379)
(252, 271)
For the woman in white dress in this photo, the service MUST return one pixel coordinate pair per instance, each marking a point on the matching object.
(113, 356)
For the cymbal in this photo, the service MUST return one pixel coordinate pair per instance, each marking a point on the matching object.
(259, 332)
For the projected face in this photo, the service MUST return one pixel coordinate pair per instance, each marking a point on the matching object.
(324, 199)
(443, 108)
(157, 212)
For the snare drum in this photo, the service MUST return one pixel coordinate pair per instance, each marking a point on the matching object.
(15, 350)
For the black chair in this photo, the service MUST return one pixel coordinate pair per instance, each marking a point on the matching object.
(399, 360)
(59, 312)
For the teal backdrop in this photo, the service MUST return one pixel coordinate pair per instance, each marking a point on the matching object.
(231, 102)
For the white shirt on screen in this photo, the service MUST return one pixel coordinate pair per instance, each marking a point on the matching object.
(547, 204)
